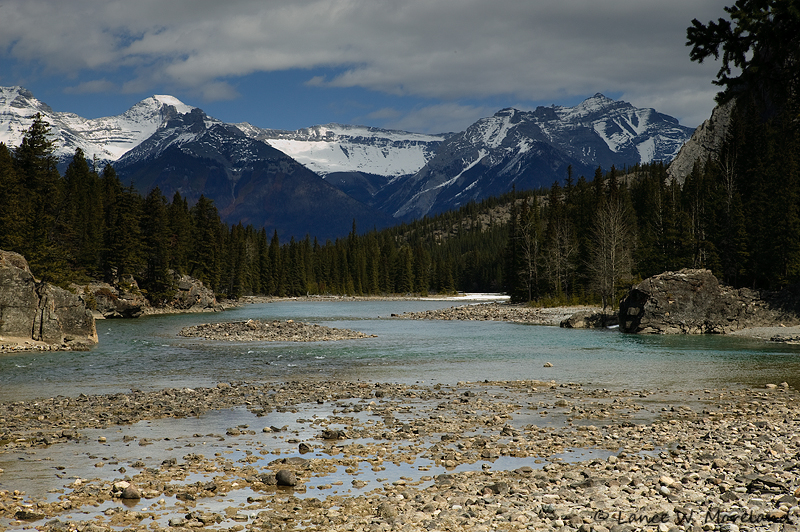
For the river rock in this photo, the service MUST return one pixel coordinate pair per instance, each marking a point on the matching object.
(270, 331)
(589, 319)
(131, 492)
(284, 477)
(39, 311)
(694, 302)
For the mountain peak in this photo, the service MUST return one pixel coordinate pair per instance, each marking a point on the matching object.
(179, 106)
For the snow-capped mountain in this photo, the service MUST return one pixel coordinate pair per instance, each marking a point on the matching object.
(601, 131)
(532, 149)
(336, 148)
(106, 138)
(249, 181)
(272, 177)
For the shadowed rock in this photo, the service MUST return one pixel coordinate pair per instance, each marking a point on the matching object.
(40, 312)
(694, 302)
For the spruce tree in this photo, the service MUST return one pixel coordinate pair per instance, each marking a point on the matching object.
(156, 233)
(12, 208)
(35, 165)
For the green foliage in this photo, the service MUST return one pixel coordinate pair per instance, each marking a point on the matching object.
(39, 202)
(761, 41)
(584, 242)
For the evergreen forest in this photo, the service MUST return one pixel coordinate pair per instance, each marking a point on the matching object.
(586, 239)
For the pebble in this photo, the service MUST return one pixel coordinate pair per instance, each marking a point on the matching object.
(519, 313)
(706, 457)
(272, 331)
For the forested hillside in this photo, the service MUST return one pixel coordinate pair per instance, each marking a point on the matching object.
(584, 242)
(737, 214)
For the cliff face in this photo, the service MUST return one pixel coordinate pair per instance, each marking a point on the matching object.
(706, 140)
(694, 302)
(32, 311)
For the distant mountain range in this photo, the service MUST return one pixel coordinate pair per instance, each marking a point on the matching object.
(319, 179)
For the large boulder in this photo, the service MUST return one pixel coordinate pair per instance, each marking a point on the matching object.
(191, 295)
(40, 312)
(694, 302)
(120, 300)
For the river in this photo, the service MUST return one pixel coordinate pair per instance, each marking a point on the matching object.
(148, 354)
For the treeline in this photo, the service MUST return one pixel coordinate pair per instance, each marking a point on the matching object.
(86, 225)
(584, 241)
(737, 214)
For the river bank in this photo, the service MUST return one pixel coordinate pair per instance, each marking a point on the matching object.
(504, 455)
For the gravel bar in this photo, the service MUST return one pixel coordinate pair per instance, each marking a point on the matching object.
(270, 331)
(722, 460)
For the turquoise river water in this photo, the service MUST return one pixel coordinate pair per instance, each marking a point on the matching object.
(147, 354)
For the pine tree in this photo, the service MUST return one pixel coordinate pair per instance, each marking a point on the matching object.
(274, 274)
(761, 43)
(205, 262)
(12, 214)
(180, 230)
(156, 233)
(35, 165)
(80, 226)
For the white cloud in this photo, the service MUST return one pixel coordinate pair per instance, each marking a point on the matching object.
(443, 49)
(92, 86)
(440, 118)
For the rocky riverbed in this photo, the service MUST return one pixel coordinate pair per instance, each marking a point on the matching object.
(518, 313)
(270, 331)
(330, 455)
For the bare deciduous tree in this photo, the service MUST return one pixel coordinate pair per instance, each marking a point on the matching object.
(611, 258)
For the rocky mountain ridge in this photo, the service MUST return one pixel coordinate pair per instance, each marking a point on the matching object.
(274, 179)
(106, 138)
(532, 149)
(249, 181)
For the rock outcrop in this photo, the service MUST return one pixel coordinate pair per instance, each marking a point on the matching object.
(706, 141)
(34, 314)
(694, 302)
(192, 295)
(591, 319)
(124, 299)
(120, 300)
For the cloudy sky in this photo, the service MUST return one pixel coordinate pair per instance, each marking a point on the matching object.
(418, 65)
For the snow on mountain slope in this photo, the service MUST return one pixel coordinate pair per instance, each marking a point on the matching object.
(106, 138)
(116, 135)
(533, 149)
(340, 148)
(625, 129)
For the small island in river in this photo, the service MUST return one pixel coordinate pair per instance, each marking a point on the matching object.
(270, 331)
